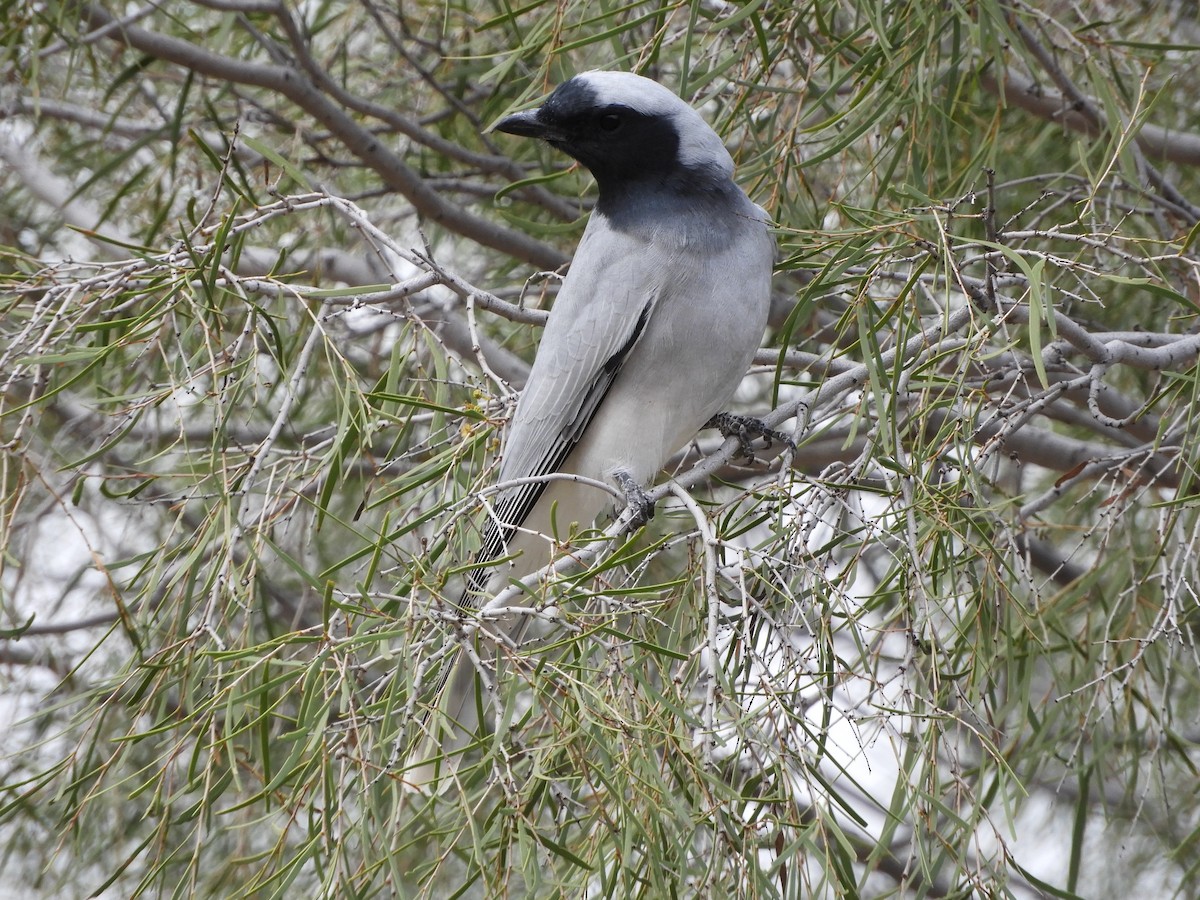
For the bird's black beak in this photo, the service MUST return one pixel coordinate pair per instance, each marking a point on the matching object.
(528, 124)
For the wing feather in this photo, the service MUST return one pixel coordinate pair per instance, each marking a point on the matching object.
(586, 341)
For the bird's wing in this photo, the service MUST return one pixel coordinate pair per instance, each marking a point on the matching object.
(601, 312)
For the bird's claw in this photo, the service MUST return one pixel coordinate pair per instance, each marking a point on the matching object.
(746, 429)
(641, 505)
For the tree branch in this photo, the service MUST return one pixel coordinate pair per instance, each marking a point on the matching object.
(293, 85)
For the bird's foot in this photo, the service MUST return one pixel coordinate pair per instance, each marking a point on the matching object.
(746, 429)
(635, 496)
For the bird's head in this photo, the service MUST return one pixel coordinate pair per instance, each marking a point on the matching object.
(626, 130)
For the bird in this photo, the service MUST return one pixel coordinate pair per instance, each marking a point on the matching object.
(656, 322)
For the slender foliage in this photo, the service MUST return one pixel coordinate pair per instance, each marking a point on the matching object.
(268, 289)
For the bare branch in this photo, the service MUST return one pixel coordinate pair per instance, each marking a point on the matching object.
(358, 140)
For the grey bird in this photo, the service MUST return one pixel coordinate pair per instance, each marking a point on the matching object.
(655, 325)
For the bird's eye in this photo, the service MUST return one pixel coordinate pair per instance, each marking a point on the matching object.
(610, 122)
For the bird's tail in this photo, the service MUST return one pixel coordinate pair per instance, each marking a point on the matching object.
(447, 729)
(451, 725)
